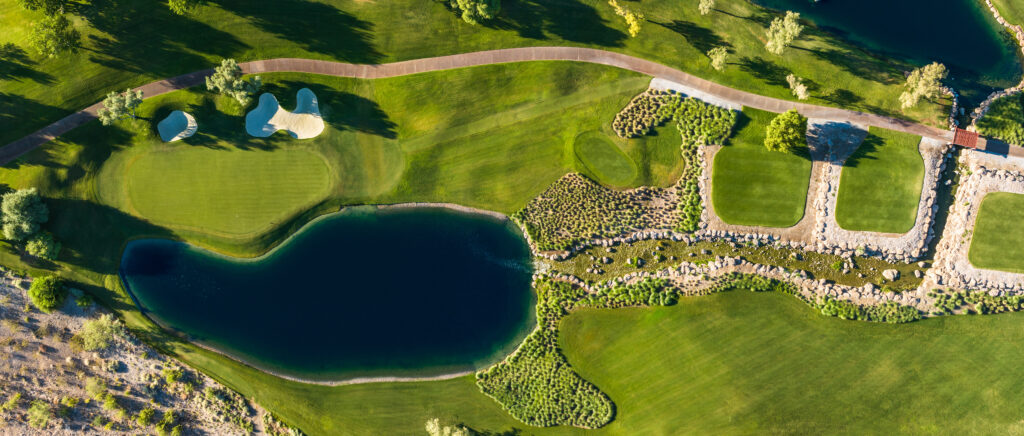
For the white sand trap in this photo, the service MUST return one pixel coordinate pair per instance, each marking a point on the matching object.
(268, 117)
(177, 126)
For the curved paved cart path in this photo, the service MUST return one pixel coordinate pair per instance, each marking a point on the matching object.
(363, 71)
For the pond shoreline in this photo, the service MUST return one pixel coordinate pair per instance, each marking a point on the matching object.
(452, 371)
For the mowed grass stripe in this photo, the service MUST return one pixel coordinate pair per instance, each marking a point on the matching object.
(880, 186)
(998, 241)
(753, 186)
(234, 193)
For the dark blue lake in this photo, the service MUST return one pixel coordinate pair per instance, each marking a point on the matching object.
(962, 34)
(362, 293)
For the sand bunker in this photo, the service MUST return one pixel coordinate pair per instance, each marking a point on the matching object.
(302, 123)
(177, 126)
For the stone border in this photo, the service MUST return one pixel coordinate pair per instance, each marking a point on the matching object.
(988, 174)
(894, 247)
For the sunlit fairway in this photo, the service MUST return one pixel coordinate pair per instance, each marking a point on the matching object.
(753, 186)
(880, 187)
(998, 242)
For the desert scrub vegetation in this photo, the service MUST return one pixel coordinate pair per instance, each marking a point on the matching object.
(949, 302)
(889, 312)
(1004, 119)
(642, 114)
(575, 209)
(535, 384)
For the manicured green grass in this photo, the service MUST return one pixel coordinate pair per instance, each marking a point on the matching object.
(732, 363)
(880, 187)
(131, 42)
(753, 186)
(603, 159)
(998, 241)
(1004, 119)
(1011, 10)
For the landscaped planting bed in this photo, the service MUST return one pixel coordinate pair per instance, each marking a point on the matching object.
(880, 186)
(575, 209)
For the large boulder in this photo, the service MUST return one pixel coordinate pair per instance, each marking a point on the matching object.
(891, 274)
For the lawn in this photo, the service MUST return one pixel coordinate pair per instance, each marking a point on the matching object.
(880, 187)
(998, 241)
(1004, 119)
(1011, 10)
(756, 187)
(131, 42)
(733, 363)
(602, 159)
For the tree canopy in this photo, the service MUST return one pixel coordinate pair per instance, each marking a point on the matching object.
(718, 56)
(119, 105)
(183, 7)
(98, 333)
(705, 6)
(49, 7)
(782, 32)
(924, 82)
(22, 212)
(47, 293)
(43, 246)
(633, 19)
(797, 86)
(227, 80)
(54, 34)
(786, 132)
(474, 11)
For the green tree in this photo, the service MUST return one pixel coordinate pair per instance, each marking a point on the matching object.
(22, 212)
(474, 11)
(718, 55)
(786, 132)
(705, 6)
(98, 333)
(924, 82)
(227, 80)
(47, 293)
(633, 19)
(782, 32)
(52, 35)
(119, 105)
(43, 246)
(39, 414)
(183, 7)
(434, 428)
(797, 86)
(49, 7)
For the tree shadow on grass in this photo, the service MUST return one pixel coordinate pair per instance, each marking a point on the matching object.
(867, 151)
(16, 65)
(701, 38)
(768, 71)
(569, 20)
(130, 43)
(315, 26)
(341, 110)
(16, 111)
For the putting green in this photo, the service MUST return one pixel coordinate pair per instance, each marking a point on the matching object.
(880, 187)
(756, 187)
(998, 241)
(604, 160)
(225, 192)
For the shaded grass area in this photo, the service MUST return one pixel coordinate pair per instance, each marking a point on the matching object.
(763, 363)
(880, 186)
(131, 42)
(753, 186)
(1004, 119)
(998, 241)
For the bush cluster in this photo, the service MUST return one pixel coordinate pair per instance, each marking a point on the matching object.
(948, 302)
(643, 113)
(575, 209)
(1004, 119)
(648, 292)
(700, 123)
(890, 311)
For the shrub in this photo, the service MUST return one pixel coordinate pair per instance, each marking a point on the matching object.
(172, 375)
(11, 403)
(96, 388)
(98, 333)
(22, 213)
(145, 417)
(43, 246)
(39, 414)
(47, 293)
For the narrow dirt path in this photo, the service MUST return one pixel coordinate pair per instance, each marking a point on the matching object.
(17, 148)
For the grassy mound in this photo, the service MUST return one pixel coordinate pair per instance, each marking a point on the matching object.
(603, 159)
(753, 186)
(880, 186)
(1005, 119)
(998, 242)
